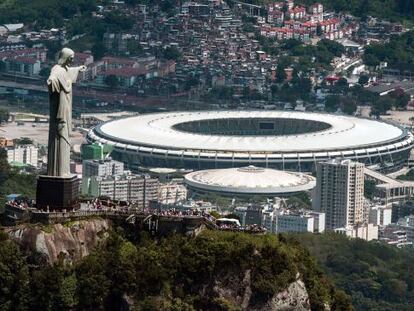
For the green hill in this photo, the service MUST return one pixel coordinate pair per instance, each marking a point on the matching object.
(214, 271)
(377, 277)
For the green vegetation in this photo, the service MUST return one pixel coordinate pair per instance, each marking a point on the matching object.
(399, 52)
(323, 53)
(4, 115)
(409, 176)
(11, 181)
(171, 53)
(376, 276)
(369, 189)
(23, 141)
(46, 13)
(220, 93)
(175, 273)
(300, 200)
(112, 82)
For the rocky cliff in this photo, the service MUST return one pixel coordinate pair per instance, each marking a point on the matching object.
(73, 240)
(294, 297)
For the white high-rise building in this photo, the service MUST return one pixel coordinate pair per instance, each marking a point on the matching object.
(139, 189)
(26, 154)
(295, 223)
(172, 193)
(380, 215)
(339, 193)
(102, 168)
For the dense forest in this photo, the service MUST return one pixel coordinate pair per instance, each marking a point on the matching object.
(399, 52)
(376, 276)
(183, 273)
(44, 12)
(174, 273)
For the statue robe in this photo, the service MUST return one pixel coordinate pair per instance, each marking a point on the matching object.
(60, 126)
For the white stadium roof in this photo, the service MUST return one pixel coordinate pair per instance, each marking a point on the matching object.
(157, 131)
(250, 180)
(278, 139)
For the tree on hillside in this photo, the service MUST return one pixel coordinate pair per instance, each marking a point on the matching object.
(402, 101)
(280, 73)
(4, 167)
(112, 82)
(171, 53)
(23, 141)
(363, 80)
(382, 105)
(332, 103)
(44, 72)
(4, 115)
(98, 50)
(348, 105)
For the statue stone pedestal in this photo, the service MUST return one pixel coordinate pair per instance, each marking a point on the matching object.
(57, 193)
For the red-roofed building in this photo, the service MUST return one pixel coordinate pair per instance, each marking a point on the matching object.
(285, 33)
(38, 54)
(275, 6)
(330, 25)
(24, 66)
(111, 62)
(310, 26)
(275, 17)
(316, 8)
(126, 76)
(83, 59)
(298, 12)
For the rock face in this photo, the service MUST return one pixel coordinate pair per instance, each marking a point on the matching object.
(295, 297)
(73, 240)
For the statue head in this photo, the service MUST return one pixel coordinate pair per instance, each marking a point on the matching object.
(66, 56)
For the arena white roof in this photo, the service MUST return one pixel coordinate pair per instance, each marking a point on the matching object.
(250, 180)
(157, 130)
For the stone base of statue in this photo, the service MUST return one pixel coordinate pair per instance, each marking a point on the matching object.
(57, 193)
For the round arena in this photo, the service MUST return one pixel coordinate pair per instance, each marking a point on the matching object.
(248, 181)
(271, 139)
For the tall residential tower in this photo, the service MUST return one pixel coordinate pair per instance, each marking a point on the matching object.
(340, 192)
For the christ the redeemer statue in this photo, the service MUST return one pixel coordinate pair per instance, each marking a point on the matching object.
(60, 92)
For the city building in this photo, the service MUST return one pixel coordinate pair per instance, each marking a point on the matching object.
(389, 190)
(363, 231)
(253, 215)
(23, 154)
(240, 211)
(277, 218)
(171, 193)
(102, 168)
(380, 215)
(340, 193)
(270, 220)
(5, 142)
(23, 66)
(136, 189)
(393, 235)
(295, 223)
(91, 152)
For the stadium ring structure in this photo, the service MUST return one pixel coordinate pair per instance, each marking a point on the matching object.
(249, 181)
(284, 140)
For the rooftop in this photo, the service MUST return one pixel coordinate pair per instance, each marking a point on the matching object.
(250, 180)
